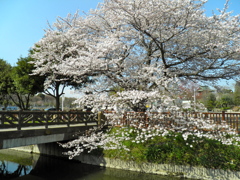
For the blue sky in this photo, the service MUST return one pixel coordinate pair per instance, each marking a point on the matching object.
(22, 22)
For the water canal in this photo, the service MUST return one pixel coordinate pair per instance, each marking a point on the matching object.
(25, 166)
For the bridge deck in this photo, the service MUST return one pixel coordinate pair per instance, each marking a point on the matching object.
(49, 127)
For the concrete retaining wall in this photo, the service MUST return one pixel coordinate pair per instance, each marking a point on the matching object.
(53, 149)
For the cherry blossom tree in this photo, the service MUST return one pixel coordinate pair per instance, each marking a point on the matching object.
(144, 47)
(54, 48)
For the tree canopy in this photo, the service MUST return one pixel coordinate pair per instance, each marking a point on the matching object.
(24, 84)
(5, 81)
(17, 84)
(145, 47)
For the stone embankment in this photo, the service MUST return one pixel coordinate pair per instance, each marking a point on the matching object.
(53, 149)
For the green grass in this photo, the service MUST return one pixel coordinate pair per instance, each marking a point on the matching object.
(16, 157)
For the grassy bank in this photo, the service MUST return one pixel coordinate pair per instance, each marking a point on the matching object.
(174, 148)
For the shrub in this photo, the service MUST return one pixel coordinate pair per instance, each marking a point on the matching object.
(173, 149)
(186, 141)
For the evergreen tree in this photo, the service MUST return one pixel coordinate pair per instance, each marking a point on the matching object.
(210, 101)
(5, 82)
(23, 84)
(237, 93)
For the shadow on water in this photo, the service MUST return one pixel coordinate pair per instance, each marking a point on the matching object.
(25, 166)
(50, 168)
(61, 169)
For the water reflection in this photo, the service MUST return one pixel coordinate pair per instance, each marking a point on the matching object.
(24, 166)
(9, 170)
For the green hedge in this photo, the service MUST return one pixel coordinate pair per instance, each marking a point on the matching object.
(173, 149)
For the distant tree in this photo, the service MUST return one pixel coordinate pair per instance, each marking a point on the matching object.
(209, 101)
(225, 97)
(42, 96)
(225, 101)
(223, 90)
(24, 85)
(69, 102)
(49, 101)
(5, 82)
(36, 101)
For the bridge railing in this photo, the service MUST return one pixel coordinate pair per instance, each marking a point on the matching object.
(232, 119)
(20, 119)
(142, 119)
(165, 119)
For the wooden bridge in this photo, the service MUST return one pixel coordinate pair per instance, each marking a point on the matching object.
(21, 128)
(22, 119)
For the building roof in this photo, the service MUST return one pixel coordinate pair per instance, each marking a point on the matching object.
(204, 88)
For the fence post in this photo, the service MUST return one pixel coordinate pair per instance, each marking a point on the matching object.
(124, 121)
(237, 124)
(195, 114)
(236, 120)
(223, 115)
(146, 120)
(99, 118)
